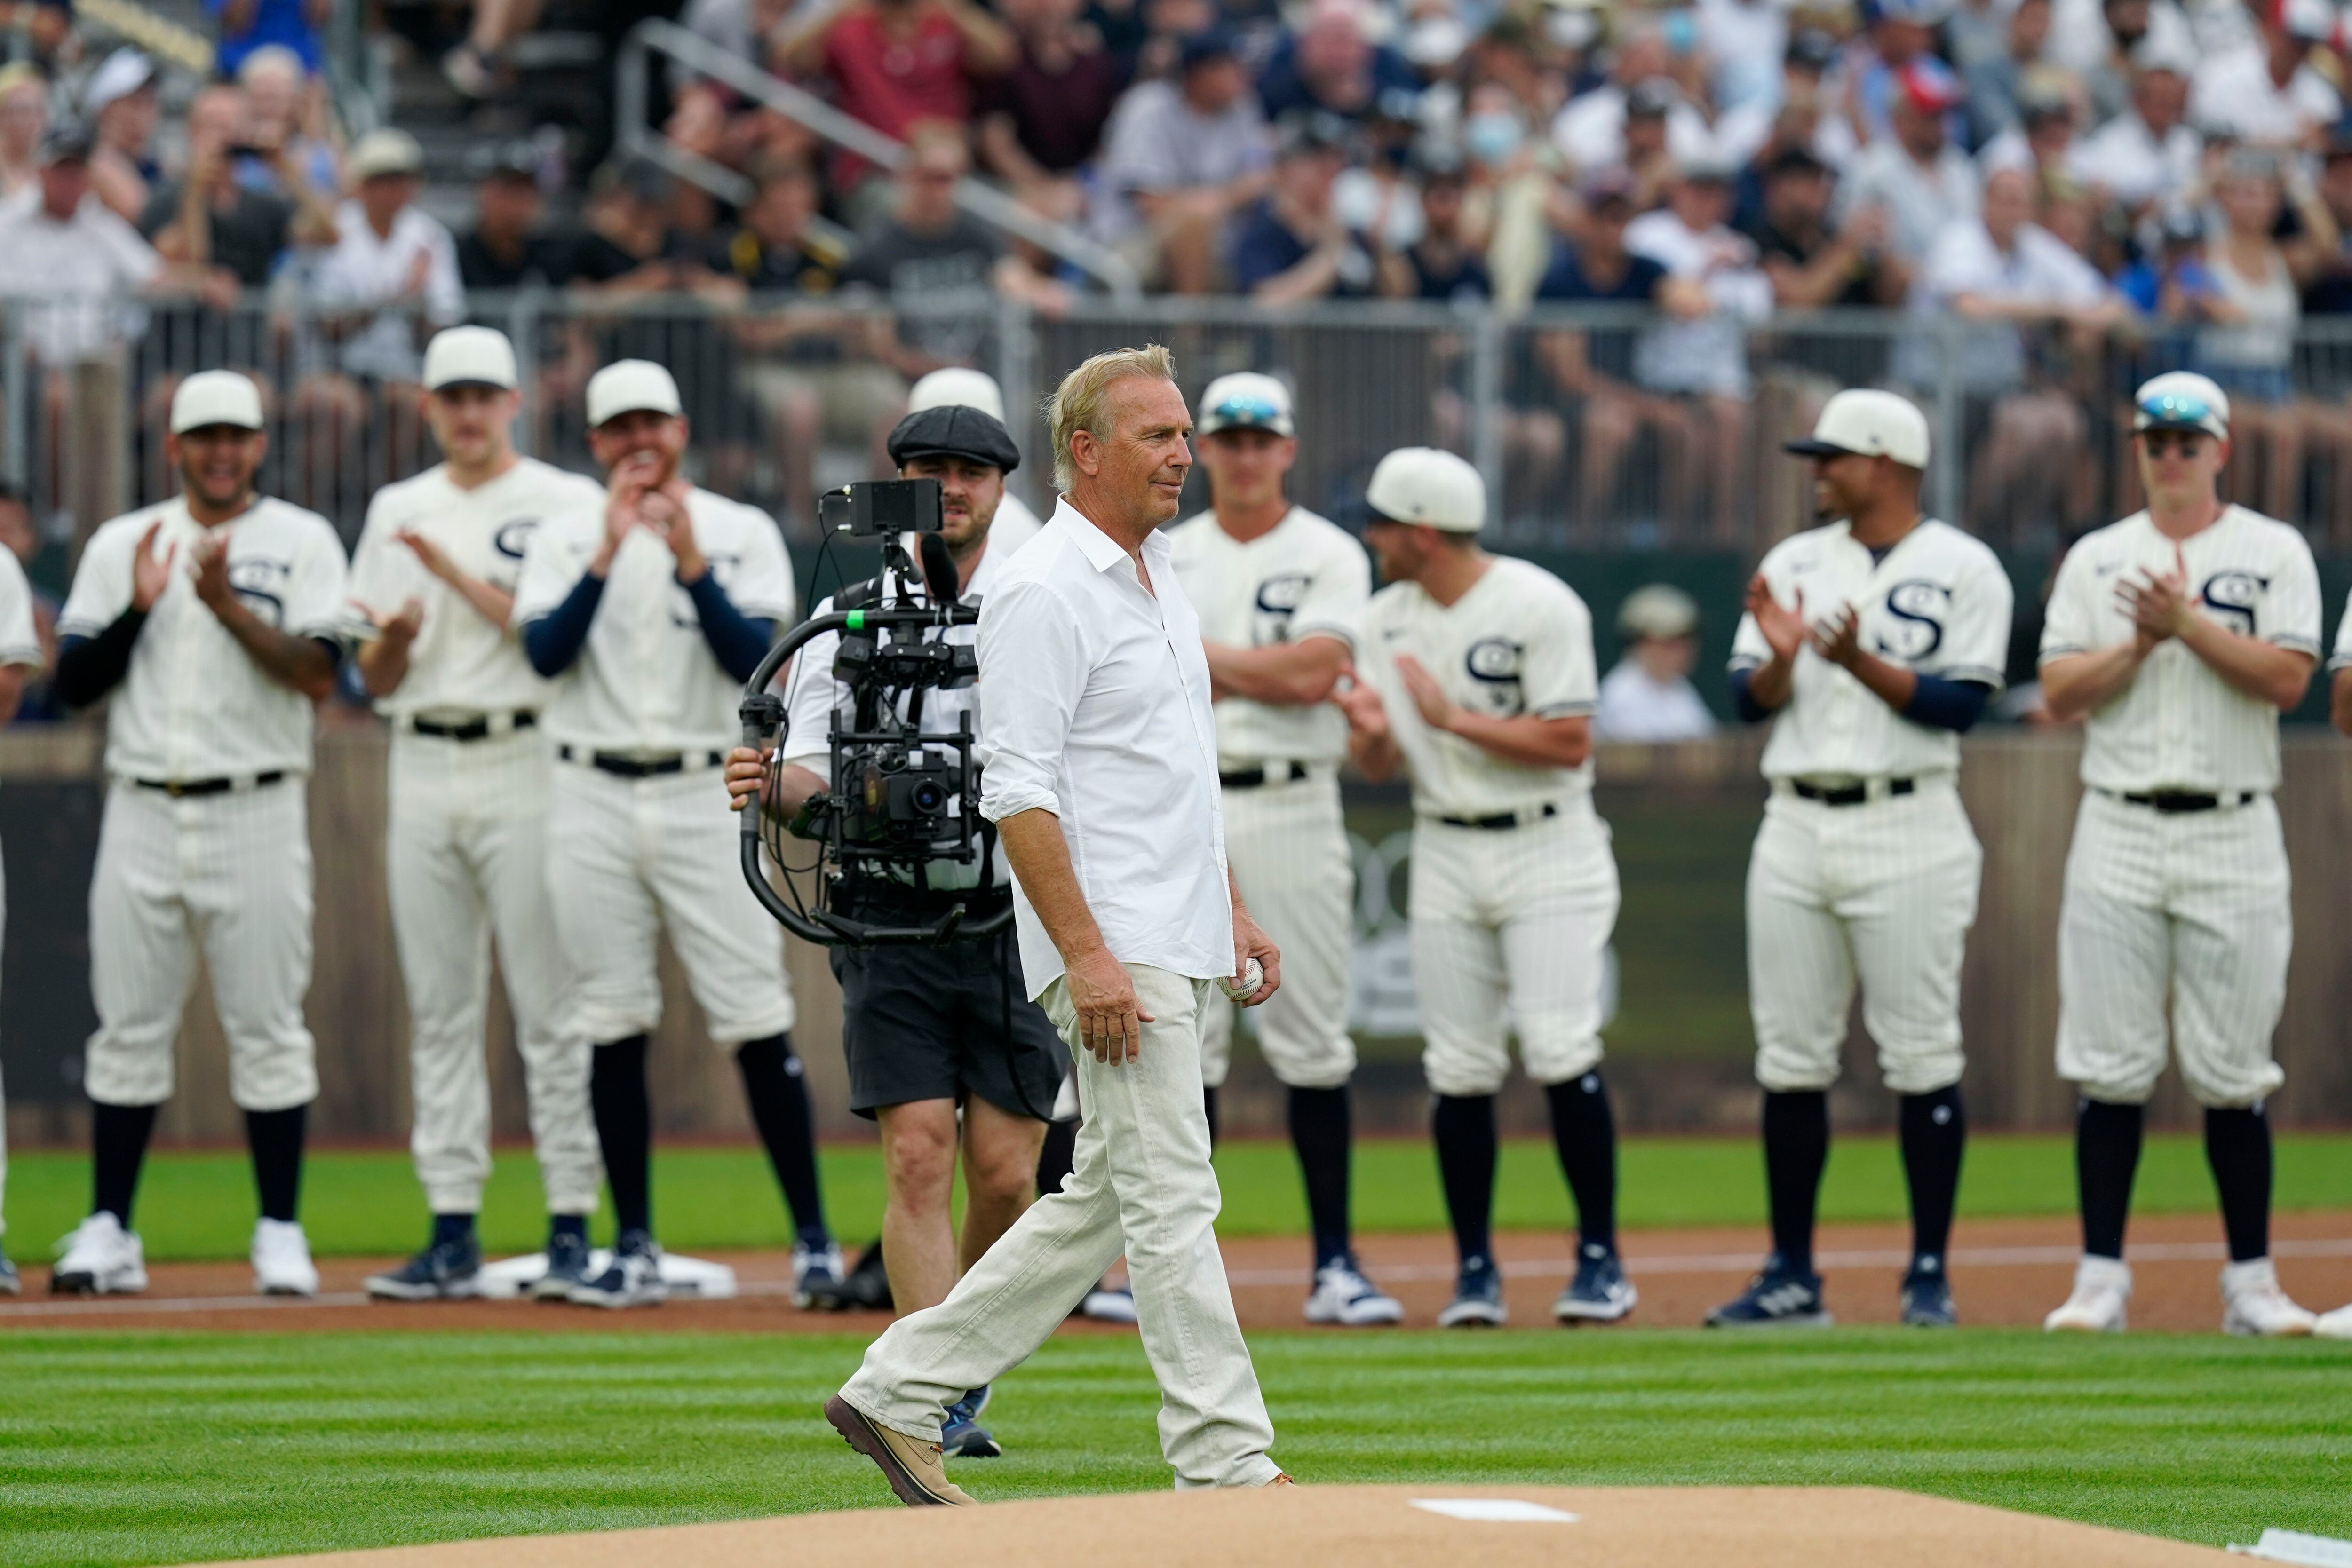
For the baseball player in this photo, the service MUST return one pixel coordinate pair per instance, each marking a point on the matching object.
(953, 386)
(649, 609)
(20, 650)
(1872, 643)
(2178, 636)
(1476, 672)
(432, 592)
(1278, 590)
(219, 615)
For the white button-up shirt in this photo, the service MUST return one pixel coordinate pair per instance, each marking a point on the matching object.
(1098, 711)
(194, 705)
(363, 271)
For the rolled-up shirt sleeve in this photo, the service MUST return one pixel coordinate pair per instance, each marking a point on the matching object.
(1033, 670)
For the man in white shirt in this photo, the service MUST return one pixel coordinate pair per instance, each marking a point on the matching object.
(1590, 129)
(1924, 183)
(1178, 158)
(1278, 590)
(217, 621)
(20, 651)
(2266, 89)
(1475, 672)
(59, 240)
(1872, 643)
(1101, 757)
(2178, 636)
(392, 268)
(649, 608)
(1648, 697)
(432, 593)
(2148, 153)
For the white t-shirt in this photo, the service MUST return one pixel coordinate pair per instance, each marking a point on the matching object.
(2233, 87)
(2132, 163)
(194, 705)
(460, 666)
(1520, 642)
(2179, 726)
(1939, 604)
(363, 271)
(1590, 131)
(2038, 269)
(86, 265)
(1305, 578)
(645, 680)
(1635, 708)
(1710, 354)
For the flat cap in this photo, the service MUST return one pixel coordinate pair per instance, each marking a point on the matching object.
(954, 430)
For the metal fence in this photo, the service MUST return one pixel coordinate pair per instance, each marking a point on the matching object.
(1602, 428)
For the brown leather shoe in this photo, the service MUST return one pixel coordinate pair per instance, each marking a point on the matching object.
(911, 1466)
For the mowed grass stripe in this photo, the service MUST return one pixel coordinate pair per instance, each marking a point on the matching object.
(127, 1450)
(195, 1204)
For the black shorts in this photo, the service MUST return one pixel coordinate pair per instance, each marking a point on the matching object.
(931, 1023)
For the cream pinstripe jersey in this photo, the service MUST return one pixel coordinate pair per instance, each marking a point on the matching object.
(1937, 603)
(1305, 578)
(2179, 726)
(645, 680)
(194, 705)
(460, 663)
(1520, 642)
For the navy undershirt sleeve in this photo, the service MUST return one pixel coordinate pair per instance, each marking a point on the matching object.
(739, 641)
(554, 640)
(1940, 704)
(1743, 699)
(89, 667)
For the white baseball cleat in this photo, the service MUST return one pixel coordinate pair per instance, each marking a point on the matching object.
(2101, 1286)
(2252, 1303)
(282, 1259)
(1343, 1296)
(2336, 1325)
(101, 1258)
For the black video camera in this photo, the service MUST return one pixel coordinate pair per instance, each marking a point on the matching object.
(877, 507)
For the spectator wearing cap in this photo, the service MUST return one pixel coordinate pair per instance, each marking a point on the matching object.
(285, 113)
(23, 121)
(1703, 361)
(2148, 153)
(1899, 34)
(2267, 90)
(1180, 157)
(1041, 121)
(1448, 261)
(122, 104)
(206, 219)
(1331, 66)
(1599, 131)
(894, 64)
(1292, 245)
(1648, 697)
(1925, 183)
(245, 25)
(2042, 140)
(1794, 117)
(506, 248)
(1811, 264)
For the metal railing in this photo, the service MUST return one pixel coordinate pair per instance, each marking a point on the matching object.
(633, 93)
(1597, 428)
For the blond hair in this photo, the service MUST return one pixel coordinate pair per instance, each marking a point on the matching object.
(1081, 401)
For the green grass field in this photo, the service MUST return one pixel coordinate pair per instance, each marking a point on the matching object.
(136, 1449)
(201, 1204)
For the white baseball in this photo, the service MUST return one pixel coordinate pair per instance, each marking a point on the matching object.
(1251, 979)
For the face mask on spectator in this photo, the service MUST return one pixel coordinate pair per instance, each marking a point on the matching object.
(1492, 137)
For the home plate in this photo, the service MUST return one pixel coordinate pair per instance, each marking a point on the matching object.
(699, 1277)
(1423, 1526)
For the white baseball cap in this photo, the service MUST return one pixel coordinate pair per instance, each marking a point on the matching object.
(387, 152)
(2181, 399)
(216, 397)
(123, 73)
(1433, 488)
(956, 387)
(1867, 423)
(1660, 610)
(626, 386)
(1246, 400)
(469, 356)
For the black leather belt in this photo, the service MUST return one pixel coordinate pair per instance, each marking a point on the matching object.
(1848, 794)
(1501, 821)
(621, 766)
(1253, 777)
(180, 788)
(475, 728)
(2173, 803)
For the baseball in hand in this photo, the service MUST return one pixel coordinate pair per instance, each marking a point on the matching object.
(1245, 987)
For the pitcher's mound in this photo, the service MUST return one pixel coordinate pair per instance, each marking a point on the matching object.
(1432, 1526)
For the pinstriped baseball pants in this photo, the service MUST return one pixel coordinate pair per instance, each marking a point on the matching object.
(2186, 914)
(1288, 848)
(1884, 893)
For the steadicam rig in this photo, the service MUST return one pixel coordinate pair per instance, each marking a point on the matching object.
(904, 801)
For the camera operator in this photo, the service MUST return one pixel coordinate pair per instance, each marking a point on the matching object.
(930, 1029)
